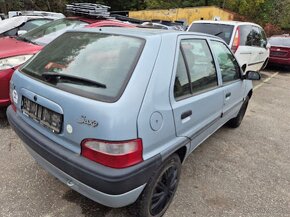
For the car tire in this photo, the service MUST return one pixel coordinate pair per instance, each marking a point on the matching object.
(236, 122)
(162, 187)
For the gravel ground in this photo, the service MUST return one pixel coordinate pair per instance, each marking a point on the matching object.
(241, 172)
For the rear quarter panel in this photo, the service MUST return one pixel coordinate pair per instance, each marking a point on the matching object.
(156, 107)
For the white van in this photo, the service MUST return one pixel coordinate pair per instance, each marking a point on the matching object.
(248, 41)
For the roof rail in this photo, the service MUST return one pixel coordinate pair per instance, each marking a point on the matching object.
(89, 9)
(128, 19)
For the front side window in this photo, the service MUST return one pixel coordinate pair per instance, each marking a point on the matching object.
(93, 65)
(229, 66)
(257, 37)
(264, 40)
(196, 71)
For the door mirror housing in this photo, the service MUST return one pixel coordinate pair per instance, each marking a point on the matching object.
(21, 32)
(252, 75)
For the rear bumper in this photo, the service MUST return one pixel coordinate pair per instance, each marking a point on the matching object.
(279, 61)
(5, 76)
(110, 187)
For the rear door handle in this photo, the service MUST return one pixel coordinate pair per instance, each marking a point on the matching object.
(228, 94)
(186, 114)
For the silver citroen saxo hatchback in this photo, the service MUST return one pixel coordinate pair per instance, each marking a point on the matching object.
(113, 112)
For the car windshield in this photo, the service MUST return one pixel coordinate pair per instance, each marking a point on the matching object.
(221, 30)
(46, 33)
(280, 41)
(93, 65)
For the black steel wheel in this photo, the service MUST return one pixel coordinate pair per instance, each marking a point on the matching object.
(160, 189)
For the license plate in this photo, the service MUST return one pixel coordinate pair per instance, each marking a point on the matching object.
(278, 53)
(46, 117)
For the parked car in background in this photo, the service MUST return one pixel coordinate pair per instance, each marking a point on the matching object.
(138, 111)
(280, 50)
(35, 13)
(162, 25)
(16, 26)
(248, 41)
(111, 23)
(16, 50)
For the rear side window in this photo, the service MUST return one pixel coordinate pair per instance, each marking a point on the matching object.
(195, 68)
(246, 35)
(221, 30)
(229, 66)
(93, 65)
(257, 36)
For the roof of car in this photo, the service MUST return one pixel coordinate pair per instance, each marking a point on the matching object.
(225, 22)
(141, 32)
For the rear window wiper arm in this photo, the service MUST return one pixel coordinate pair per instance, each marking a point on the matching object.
(218, 33)
(72, 78)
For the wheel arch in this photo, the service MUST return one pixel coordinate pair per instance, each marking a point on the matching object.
(250, 93)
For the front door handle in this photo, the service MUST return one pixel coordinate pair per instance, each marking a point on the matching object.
(186, 114)
(228, 94)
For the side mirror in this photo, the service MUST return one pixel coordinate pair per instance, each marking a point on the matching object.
(268, 46)
(252, 75)
(21, 32)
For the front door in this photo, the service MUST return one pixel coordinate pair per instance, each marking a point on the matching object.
(233, 85)
(197, 99)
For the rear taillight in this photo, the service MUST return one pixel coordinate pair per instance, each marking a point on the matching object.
(236, 42)
(11, 96)
(119, 154)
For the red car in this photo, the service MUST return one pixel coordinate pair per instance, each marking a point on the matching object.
(17, 50)
(280, 50)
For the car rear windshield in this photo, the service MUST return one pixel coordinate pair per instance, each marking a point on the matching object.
(44, 34)
(93, 65)
(221, 30)
(279, 41)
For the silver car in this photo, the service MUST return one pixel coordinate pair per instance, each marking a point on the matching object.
(114, 112)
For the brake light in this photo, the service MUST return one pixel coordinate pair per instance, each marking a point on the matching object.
(11, 96)
(236, 42)
(119, 154)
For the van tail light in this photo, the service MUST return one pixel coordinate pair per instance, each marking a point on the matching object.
(119, 154)
(237, 40)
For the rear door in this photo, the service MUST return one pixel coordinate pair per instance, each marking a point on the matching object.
(197, 98)
(233, 85)
(244, 52)
(258, 51)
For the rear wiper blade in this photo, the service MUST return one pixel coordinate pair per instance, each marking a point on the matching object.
(72, 78)
(218, 33)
